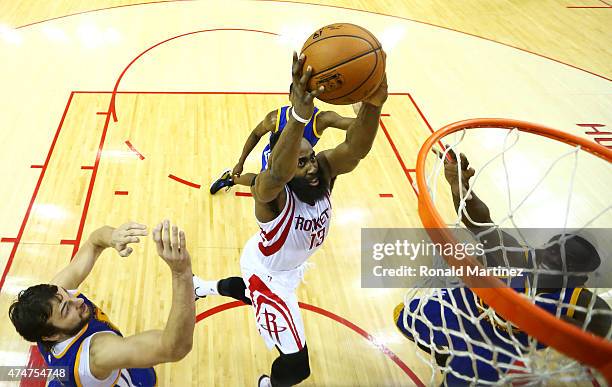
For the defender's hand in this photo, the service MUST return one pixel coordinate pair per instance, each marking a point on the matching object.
(301, 98)
(125, 234)
(172, 247)
(237, 171)
(451, 171)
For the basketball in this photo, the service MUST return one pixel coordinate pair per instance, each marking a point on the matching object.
(347, 60)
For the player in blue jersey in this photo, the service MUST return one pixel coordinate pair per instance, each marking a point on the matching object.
(274, 123)
(72, 332)
(453, 324)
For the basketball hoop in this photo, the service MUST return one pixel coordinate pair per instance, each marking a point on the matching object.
(572, 341)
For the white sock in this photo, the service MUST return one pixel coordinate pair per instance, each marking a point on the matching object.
(204, 288)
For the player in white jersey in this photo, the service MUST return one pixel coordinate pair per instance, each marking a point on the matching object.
(293, 211)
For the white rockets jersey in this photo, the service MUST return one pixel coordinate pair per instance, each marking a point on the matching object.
(295, 234)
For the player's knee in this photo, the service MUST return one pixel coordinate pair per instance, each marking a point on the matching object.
(302, 364)
(398, 317)
(233, 287)
(291, 369)
(299, 364)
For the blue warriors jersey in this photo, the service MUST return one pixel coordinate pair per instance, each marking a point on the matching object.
(429, 324)
(546, 300)
(488, 331)
(77, 350)
(282, 117)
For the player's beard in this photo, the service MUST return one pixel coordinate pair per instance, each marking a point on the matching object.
(306, 192)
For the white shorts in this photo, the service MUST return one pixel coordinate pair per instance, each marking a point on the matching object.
(277, 313)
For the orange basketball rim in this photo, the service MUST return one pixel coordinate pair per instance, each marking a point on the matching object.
(564, 337)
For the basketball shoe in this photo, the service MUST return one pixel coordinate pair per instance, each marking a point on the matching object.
(202, 288)
(264, 381)
(225, 180)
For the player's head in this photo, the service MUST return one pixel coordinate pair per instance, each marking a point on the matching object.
(290, 91)
(308, 182)
(48, 313)
(581, 258)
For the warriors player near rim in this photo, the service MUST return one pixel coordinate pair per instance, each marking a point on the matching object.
(453, 324)
(293, 210)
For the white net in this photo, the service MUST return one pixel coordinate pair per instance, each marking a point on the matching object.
(544, 198)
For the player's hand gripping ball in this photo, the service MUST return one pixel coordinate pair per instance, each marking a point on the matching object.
(347, 60)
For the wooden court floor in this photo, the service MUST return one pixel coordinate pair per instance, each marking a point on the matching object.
(108, 117)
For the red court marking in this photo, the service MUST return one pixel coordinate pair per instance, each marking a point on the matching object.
(446, 28)
(413, 180)
(76, 242)
(8, 240)
(188, 92)
(9, 262)
(395, 151)
(351, 9)
(121, 193)
(425, 119)
(420, 113)
(35, 361)
(200, 92)
(102, 113)
(386, 351)
(601, 1)
(248, 194)
(385, 195)
(87, 167)
(385, 115)
(92, 182)
(415, 379)
(129, 144)
(112, 108)
(591, 126)
(99, 9)
(36, 166)
(107, 121)
(194, 185)
(397, 155)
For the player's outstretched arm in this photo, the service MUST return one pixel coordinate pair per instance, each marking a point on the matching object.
(331, 119)
(265, 126)
(476, 208)
(283, 160)
(109, 352)
(359, 136)
(478, 211)
(81, 265)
